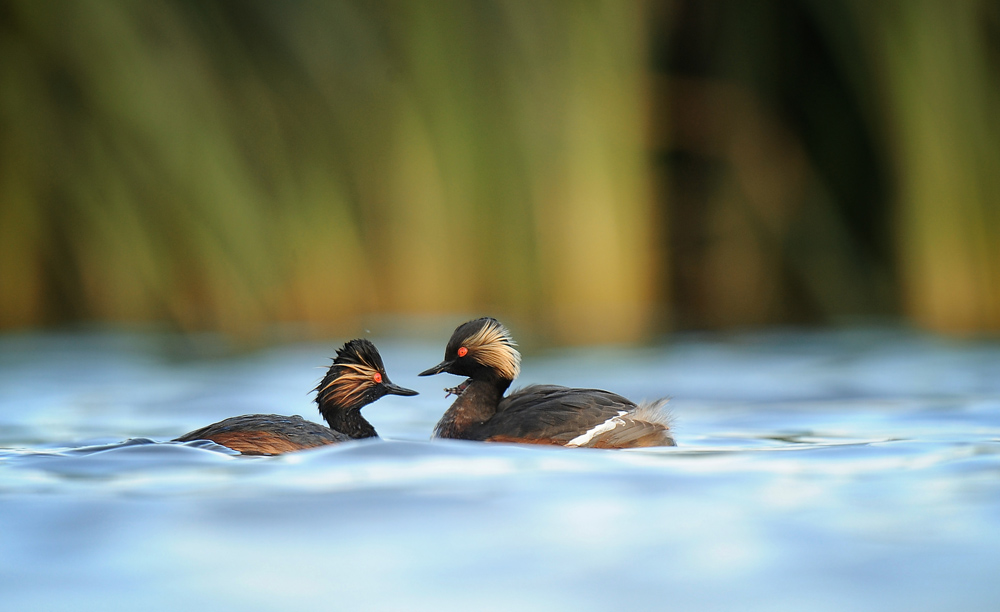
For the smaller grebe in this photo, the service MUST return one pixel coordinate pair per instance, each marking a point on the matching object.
(356, 379)
(483, 350)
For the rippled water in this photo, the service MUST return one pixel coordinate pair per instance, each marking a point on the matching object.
(821, 471)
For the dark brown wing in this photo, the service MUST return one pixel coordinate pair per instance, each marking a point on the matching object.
(266, 434)
(552, 413)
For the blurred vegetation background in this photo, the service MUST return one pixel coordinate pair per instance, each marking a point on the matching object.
(590, 171)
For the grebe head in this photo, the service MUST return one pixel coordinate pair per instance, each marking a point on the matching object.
(481, 349)
(356, 378)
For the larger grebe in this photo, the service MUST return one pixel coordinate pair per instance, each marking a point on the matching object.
(483, 350)
(356, 379)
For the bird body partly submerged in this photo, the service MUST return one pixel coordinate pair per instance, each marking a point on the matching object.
(355, 379)
(266, 434)
(551, 414)
(483, 351)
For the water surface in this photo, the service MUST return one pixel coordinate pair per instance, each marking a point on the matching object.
(821, 471)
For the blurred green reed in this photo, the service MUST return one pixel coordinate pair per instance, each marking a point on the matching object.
(938, 75)
(235, 164)
(228, 164)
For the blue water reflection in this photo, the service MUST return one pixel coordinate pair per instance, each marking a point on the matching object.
(816, 471)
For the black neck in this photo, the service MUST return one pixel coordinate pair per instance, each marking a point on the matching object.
(348, 422)
(476, 405)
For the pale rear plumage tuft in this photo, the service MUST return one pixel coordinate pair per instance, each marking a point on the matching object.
(654, 412)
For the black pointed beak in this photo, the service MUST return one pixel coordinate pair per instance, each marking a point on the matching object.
(441, 367)
(392, 389)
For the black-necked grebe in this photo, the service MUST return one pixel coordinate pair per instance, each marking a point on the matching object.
(356, 379)
(483, 350)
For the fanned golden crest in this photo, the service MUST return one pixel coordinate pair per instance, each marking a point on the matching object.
(359, 362)
(491, 344)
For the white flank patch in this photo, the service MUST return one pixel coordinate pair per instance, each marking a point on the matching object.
(608, 425)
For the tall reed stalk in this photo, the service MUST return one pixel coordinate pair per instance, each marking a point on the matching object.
(938, 106)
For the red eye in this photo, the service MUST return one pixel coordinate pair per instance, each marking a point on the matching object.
(462, 351)
(377, 378)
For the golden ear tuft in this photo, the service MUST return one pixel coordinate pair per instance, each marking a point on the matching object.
(492, 345)
(347, 386)
(353, 372)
